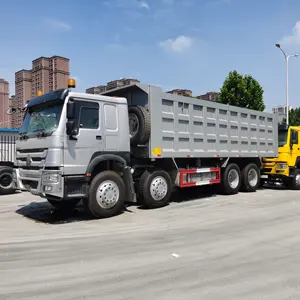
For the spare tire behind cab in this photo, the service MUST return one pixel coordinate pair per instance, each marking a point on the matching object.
(139, 125)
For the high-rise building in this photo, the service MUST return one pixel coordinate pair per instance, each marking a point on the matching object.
(47, 74)
(4, 104)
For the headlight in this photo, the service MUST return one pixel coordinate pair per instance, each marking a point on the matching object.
(281, 166)
(50, 177)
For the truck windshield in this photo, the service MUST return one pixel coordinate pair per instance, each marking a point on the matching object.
(42, 118)
(282, 137)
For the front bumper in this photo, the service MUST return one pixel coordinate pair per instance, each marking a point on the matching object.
(39, 182)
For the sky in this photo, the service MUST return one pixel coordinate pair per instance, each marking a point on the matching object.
(190, 44)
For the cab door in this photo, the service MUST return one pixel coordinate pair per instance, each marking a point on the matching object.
(295, 146)
(79, 149)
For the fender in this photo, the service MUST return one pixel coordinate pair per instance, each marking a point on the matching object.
(104, 157)
(127, 172)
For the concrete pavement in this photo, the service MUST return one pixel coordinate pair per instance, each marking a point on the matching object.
(239, 247)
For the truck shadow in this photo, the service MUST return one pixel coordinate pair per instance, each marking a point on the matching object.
(44, 212)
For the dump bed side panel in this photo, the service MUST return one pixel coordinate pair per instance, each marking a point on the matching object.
(183, 127)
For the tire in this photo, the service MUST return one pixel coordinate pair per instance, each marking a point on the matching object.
(66, 205)
(250, 178)
(6, 181)
(294, 182)
(139, 125)
(155, 189)
(228, 188)
(98, 203)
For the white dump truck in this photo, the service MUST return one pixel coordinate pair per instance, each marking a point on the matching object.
(137, 143)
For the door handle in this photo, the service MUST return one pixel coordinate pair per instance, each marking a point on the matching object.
(98, 137)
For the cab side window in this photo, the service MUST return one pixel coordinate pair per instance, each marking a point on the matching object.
(89, 117)
(87, 114)
(294, 137)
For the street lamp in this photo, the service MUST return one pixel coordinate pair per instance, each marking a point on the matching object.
(287, 57)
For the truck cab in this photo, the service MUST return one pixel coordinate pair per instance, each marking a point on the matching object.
(65, 136)
(286, 167)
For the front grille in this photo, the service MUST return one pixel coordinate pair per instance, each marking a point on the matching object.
(31, 183)
(36, 150)
(30, 168)
(266, 170)
(33, 159)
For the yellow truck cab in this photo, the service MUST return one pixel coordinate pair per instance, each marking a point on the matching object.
(286, 167)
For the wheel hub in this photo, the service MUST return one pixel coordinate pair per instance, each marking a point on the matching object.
(233, 178)
(252, 177)
(158, 188)
(297, 179)
(107, 194)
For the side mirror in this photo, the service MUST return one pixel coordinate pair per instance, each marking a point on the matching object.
(70, 126)
(70, 110)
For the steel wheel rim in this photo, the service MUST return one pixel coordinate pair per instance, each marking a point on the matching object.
(134, 124)
(252, 177)
(297, 179)
(158, 188)
(233, 178)
(108, 194)
(6, 180)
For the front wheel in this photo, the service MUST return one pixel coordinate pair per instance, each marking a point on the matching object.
(106, 195)
(6, 181)
(155, 189)
(294, 182)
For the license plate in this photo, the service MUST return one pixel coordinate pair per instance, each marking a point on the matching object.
(264, 176)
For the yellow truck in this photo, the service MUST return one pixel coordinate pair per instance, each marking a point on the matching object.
(286, 167)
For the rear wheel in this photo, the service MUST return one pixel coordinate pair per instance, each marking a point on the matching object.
(250, 178)
(6, 181)
(231, 180)
(106, 195)
(155, 189)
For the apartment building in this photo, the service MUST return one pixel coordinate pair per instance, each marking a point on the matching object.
(210, 96)
(47, 74)
(96, 89)
(181, 92)
(120, 82)
(5, 120)
(281, 110)
(111, 85)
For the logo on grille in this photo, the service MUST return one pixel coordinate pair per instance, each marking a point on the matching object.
(28, 161)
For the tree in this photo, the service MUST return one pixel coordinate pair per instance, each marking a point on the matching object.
(242, 91)
(294, 117)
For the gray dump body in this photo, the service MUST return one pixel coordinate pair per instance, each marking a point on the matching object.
(184, 126)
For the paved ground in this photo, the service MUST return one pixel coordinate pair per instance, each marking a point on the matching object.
(240, 247)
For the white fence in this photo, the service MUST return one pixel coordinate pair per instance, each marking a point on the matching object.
(7, 145)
